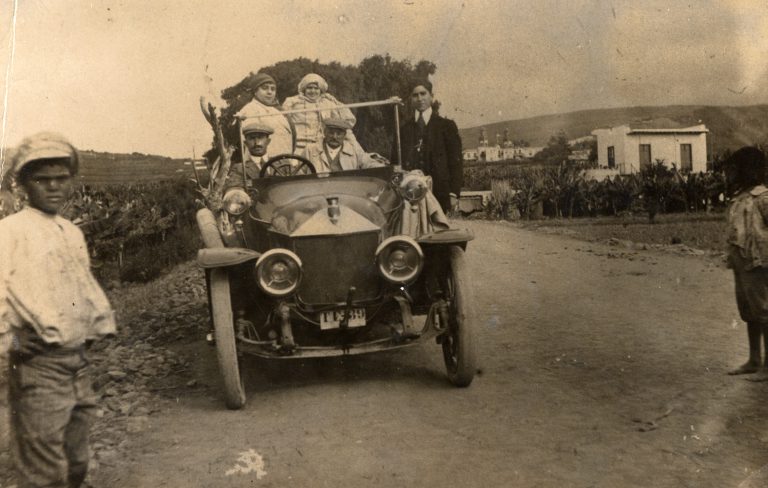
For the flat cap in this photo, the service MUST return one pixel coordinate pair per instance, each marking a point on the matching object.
(45, 145)
(337, 123)
(261, 78)
(256, 126)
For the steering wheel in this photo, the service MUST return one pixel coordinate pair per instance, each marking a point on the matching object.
(287, 169)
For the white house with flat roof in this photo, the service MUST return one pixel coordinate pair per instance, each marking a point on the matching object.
(630, 148)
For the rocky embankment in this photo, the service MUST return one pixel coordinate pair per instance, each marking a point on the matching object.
(136, 372)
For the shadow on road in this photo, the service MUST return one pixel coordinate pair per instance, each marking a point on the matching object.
(265, 375)
(419, 367)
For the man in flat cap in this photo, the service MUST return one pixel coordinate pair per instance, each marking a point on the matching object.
(256, 136)
(334, 154)
(50, 307)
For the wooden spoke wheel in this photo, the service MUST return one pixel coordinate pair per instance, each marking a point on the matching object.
(459, 339)
(226, 347)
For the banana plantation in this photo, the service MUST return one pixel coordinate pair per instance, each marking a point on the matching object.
(567, 191)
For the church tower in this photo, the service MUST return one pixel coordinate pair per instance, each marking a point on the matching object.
(483, 138)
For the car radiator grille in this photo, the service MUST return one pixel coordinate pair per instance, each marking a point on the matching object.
(332, 264)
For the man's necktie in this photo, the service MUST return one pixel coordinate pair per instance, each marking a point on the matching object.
(421, 122)
(335, 162)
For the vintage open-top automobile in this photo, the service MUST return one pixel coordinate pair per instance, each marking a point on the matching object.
(300, 264)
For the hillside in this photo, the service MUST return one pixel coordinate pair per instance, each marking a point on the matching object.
(101, 168)
(730, 127)
(104, 168)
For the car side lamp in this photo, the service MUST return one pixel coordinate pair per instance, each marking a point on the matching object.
(236, 201)
(413, 188)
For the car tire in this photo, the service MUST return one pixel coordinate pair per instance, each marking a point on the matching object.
(459, 340)
(224, 332)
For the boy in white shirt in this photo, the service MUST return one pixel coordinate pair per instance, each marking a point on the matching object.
(50, 306)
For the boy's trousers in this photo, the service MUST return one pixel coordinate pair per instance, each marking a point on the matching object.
(52, 405)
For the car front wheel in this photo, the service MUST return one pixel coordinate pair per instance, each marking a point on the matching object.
(459, 340)
(226, 348)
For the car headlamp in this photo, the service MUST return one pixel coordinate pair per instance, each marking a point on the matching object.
(278, 272)
(413, 189)
(236, 201)
(399, 259)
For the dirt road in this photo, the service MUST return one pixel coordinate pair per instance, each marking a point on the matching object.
(600, 367)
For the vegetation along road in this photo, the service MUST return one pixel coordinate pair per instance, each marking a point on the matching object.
(601, 366)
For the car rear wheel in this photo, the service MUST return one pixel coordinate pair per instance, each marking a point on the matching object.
(458, 341)
(226, 348)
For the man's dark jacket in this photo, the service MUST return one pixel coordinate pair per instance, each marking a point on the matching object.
(440, 155)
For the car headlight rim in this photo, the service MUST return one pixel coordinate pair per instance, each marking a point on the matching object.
(278, 272)
(399, 259)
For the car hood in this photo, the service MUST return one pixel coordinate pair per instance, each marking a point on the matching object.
(310, 216)
(348, 222)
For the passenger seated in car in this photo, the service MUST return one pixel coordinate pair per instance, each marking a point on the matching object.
(333, 153)
(266, 109)
(313, 93)
(257, 138)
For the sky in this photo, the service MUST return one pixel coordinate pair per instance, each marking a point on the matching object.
(126, 76)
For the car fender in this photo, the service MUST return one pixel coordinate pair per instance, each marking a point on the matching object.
(446, 236)
(209, 231)
(219, 257)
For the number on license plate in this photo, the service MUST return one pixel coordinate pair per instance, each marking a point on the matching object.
(332, 318)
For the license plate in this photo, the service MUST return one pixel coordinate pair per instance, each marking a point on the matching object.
(332, 318)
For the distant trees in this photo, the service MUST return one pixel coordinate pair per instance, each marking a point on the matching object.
(557, 150)
(375, 78)
(658, 186)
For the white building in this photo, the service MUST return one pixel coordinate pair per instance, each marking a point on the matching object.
(579, 156)
(469, 154)
(503, 150)
(629, 148)
(527, 152)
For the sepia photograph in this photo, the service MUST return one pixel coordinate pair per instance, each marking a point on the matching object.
(406, 243)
